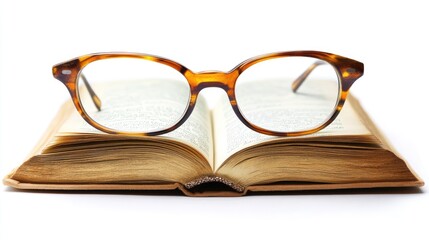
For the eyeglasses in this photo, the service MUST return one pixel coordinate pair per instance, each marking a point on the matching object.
(281, 94)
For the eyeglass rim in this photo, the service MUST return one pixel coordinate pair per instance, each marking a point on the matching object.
(348, 71)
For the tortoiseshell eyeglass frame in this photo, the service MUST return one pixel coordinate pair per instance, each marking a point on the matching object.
(348, 71)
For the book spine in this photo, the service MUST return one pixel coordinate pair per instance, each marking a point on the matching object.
(210, 179)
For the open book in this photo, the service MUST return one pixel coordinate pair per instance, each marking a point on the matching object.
(213, 153)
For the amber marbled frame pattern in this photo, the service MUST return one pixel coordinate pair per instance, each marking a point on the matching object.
(348, 71)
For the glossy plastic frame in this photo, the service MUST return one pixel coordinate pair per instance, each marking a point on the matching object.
(348, 72)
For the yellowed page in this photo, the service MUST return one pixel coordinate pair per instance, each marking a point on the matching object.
(231, 135)
(196, 131)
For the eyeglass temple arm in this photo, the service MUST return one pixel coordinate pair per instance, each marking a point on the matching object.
(297, 83)
(95, 99)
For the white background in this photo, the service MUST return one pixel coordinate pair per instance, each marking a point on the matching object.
(390, 38)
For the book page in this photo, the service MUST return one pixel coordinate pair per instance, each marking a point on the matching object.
(231, 135)
(196, 131)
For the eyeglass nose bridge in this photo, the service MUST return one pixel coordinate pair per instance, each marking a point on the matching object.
(219, 79)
